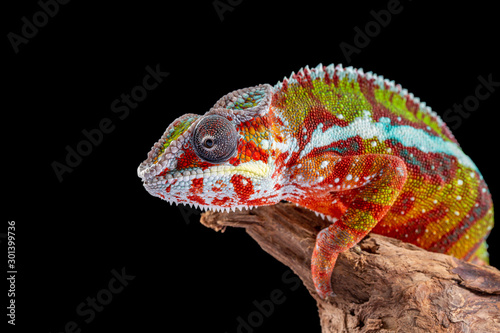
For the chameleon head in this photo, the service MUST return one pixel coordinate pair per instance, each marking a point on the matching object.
(222, 160)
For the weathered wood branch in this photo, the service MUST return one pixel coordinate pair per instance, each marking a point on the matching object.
(384, 285)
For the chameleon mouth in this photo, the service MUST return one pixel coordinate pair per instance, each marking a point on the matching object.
(254, 169)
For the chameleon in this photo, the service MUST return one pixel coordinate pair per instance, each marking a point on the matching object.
(354, 147)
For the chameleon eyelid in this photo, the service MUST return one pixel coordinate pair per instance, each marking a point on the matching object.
(222, 132)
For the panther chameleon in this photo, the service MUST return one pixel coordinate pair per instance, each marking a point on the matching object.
(357, 149)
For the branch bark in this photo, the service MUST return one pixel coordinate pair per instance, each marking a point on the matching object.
(382, 285)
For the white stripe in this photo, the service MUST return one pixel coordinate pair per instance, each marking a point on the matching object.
(367, 129)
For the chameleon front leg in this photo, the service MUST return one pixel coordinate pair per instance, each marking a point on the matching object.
(369, 184)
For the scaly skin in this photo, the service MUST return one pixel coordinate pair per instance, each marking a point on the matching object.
(353, 147)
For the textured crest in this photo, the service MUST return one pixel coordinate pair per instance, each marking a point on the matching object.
(380, 92)
(251, 102)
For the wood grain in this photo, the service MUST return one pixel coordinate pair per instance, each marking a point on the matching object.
(381, 285)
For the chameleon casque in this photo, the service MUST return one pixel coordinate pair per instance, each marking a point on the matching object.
(353, 147)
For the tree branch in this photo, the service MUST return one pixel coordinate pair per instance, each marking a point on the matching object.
(383, 285)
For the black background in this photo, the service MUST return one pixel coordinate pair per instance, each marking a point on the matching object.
(71, 234)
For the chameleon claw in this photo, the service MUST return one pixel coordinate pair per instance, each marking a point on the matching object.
(357, 249)
(325, 294)
(330, 297)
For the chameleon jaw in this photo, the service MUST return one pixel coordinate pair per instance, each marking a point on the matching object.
(175, 186)
(221, 209)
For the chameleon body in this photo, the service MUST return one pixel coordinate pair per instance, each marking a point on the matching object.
(353, 147)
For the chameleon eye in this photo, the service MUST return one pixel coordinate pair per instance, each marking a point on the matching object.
(215, 139)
